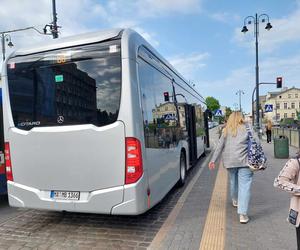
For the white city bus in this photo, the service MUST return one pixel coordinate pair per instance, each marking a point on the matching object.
(97, 123)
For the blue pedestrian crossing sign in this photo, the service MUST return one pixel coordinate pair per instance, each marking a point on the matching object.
(169, 117)
(218, 112)
(268, 108)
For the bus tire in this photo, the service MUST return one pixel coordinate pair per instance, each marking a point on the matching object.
(182, 170)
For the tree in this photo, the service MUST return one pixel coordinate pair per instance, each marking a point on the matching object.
(298, 115)
(228, 111)
(212, 103)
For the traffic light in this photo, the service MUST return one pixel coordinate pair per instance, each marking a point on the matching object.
(166, 95)
(279, 82)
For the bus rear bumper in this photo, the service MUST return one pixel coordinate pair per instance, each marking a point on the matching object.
(123, 200)
(99, 201)
(135, 199)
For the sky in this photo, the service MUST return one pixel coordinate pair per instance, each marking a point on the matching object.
(202, 39)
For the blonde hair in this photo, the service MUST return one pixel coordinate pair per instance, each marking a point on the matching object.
(234, 123)
(269, 124)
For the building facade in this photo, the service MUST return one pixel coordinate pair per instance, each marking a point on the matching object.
(286, 104)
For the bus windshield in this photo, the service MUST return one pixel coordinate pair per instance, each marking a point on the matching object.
(72, 86)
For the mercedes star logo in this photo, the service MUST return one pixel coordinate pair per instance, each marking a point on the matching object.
(60, 119)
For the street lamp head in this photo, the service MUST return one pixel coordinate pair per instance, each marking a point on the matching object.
(268, 26)
(245, 29)
(10, 44)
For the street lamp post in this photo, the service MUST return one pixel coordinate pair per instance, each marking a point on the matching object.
(235, 106)
(240, 92)
(5, 37)
(256, 20)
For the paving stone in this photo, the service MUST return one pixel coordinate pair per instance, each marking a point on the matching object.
(267, 228)
(37, 229)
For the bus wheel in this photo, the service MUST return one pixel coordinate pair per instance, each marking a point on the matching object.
(182, 169)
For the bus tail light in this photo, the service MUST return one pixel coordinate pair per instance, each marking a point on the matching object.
(134, 162)
(8, 167)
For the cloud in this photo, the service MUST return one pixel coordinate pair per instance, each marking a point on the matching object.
(82, 16)
(225, 17)
(189, 65)
(73, 16)
(244, 78)
(288, 68)
(150, 8)
(284, 30)
(150, 37)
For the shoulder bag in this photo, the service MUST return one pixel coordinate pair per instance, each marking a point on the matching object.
(256, 156)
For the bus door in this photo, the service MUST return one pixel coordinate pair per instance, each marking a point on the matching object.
(3, 188)
(207, 113)
(191, 128)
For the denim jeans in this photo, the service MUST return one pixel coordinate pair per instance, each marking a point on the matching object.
(240, 187)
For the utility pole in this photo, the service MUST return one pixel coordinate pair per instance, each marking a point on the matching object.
(54, 30)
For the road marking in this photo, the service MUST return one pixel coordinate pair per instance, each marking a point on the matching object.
(213, 237)
(169, 222)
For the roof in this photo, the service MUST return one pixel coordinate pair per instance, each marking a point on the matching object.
(94, 37)
(86, 38)
(275, 94)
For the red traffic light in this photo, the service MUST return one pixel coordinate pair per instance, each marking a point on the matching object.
(279, 82)
(166, 95)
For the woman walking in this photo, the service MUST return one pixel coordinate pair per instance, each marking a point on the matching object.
(269, 131)
(234, 143)
(288, 180)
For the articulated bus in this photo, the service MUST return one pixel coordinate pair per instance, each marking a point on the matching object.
(97, 123)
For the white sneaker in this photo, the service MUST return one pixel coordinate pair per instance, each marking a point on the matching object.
(244, 219)
(234, 203)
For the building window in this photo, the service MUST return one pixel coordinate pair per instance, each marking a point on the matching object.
(289, 95)
(285, 105)
(292, 105)
(280, 97)
(293, 115)
(285, 115)
(277, 117)
(277, 105)
(296, 95)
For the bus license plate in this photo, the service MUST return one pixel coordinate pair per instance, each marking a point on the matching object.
(65, 195)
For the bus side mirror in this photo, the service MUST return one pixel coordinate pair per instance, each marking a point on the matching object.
(166, 96)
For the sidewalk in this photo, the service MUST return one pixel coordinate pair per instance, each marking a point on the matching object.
(198, 224)
(268, 228)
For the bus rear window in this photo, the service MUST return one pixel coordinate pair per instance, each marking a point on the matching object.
(80, 85)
